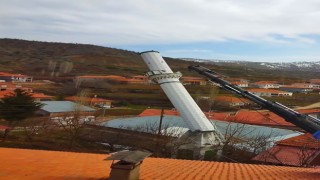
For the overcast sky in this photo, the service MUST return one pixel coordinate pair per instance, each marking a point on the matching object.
(255, 30)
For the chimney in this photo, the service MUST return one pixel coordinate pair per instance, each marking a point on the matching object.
(128, 164)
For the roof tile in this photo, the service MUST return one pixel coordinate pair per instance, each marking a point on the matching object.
(39, 164)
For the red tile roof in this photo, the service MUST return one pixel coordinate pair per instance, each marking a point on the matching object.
(266, 82)
(39, 164)
(4, 127)
(286, 155)
(246, 117)
(157, 112)
(295, 87)
(5, 74)
(231, 99)
(15, 75)
(5, 93)
(238, 82)
(315, 80)
(304, 140)
(41, 96)
(266, 90)
(34, 95)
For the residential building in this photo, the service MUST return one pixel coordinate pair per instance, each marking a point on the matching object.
(269, 92)
(37, 96)
(231, 101)
(315, 81)
(296, 89)
(306, 85)
(265, 118)
(189, 80)
(9, 77)
(266, 84)
(240, 84)
(4, 86)
(41, 97)
(261, 118)
(95, 101)
(302, 151)
(55, 109)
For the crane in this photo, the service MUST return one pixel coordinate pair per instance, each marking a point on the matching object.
(305, 122)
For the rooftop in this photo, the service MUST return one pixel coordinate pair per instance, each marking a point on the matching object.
(4, 127)
(243, 116)
(266, 90)
(40, 164)
(266, 82)
(63, 106)
(177, 124)
(304, 140)
(287, 155)
(295, 87)
(231, 99)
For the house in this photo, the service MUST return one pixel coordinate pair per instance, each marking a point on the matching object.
(265, 118)
(44, 164)
(266, 84)
(37, 96)
(260, 118)
(269, 92)
(240, 84)
(9, 77)
(302, 151)
(315, 81)
(232, 101)
(296, 89)
(11, 87)
(41, 97)
(189, 80)
(306, 85)
(55, 109)
(311, 112)
(98, 102)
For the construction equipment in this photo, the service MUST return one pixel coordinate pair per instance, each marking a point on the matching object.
(305, 122)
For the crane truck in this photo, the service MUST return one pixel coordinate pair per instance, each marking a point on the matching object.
(306, 122)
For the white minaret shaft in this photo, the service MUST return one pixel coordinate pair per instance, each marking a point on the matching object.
(161, 73)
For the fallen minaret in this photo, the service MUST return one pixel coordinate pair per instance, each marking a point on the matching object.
(203, 135)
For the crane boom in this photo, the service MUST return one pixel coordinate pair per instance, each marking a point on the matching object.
(305, 122)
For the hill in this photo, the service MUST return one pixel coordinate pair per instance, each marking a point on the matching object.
(50, 59)
(64, 59)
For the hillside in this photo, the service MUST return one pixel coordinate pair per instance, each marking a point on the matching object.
(43, 58)
(48, 59)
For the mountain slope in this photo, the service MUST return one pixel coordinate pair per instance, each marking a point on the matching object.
(47, 59)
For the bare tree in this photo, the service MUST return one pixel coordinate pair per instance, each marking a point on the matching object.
(73, 122)
(35, 125)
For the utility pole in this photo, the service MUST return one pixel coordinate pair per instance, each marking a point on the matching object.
(160, 125)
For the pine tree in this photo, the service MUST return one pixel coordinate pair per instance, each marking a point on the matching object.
(18, 106)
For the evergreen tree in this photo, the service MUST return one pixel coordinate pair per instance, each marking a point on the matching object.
(18, 106)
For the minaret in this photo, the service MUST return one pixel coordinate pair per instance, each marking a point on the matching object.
(201, 128)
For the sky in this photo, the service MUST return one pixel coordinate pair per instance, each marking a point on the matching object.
(252, 30)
